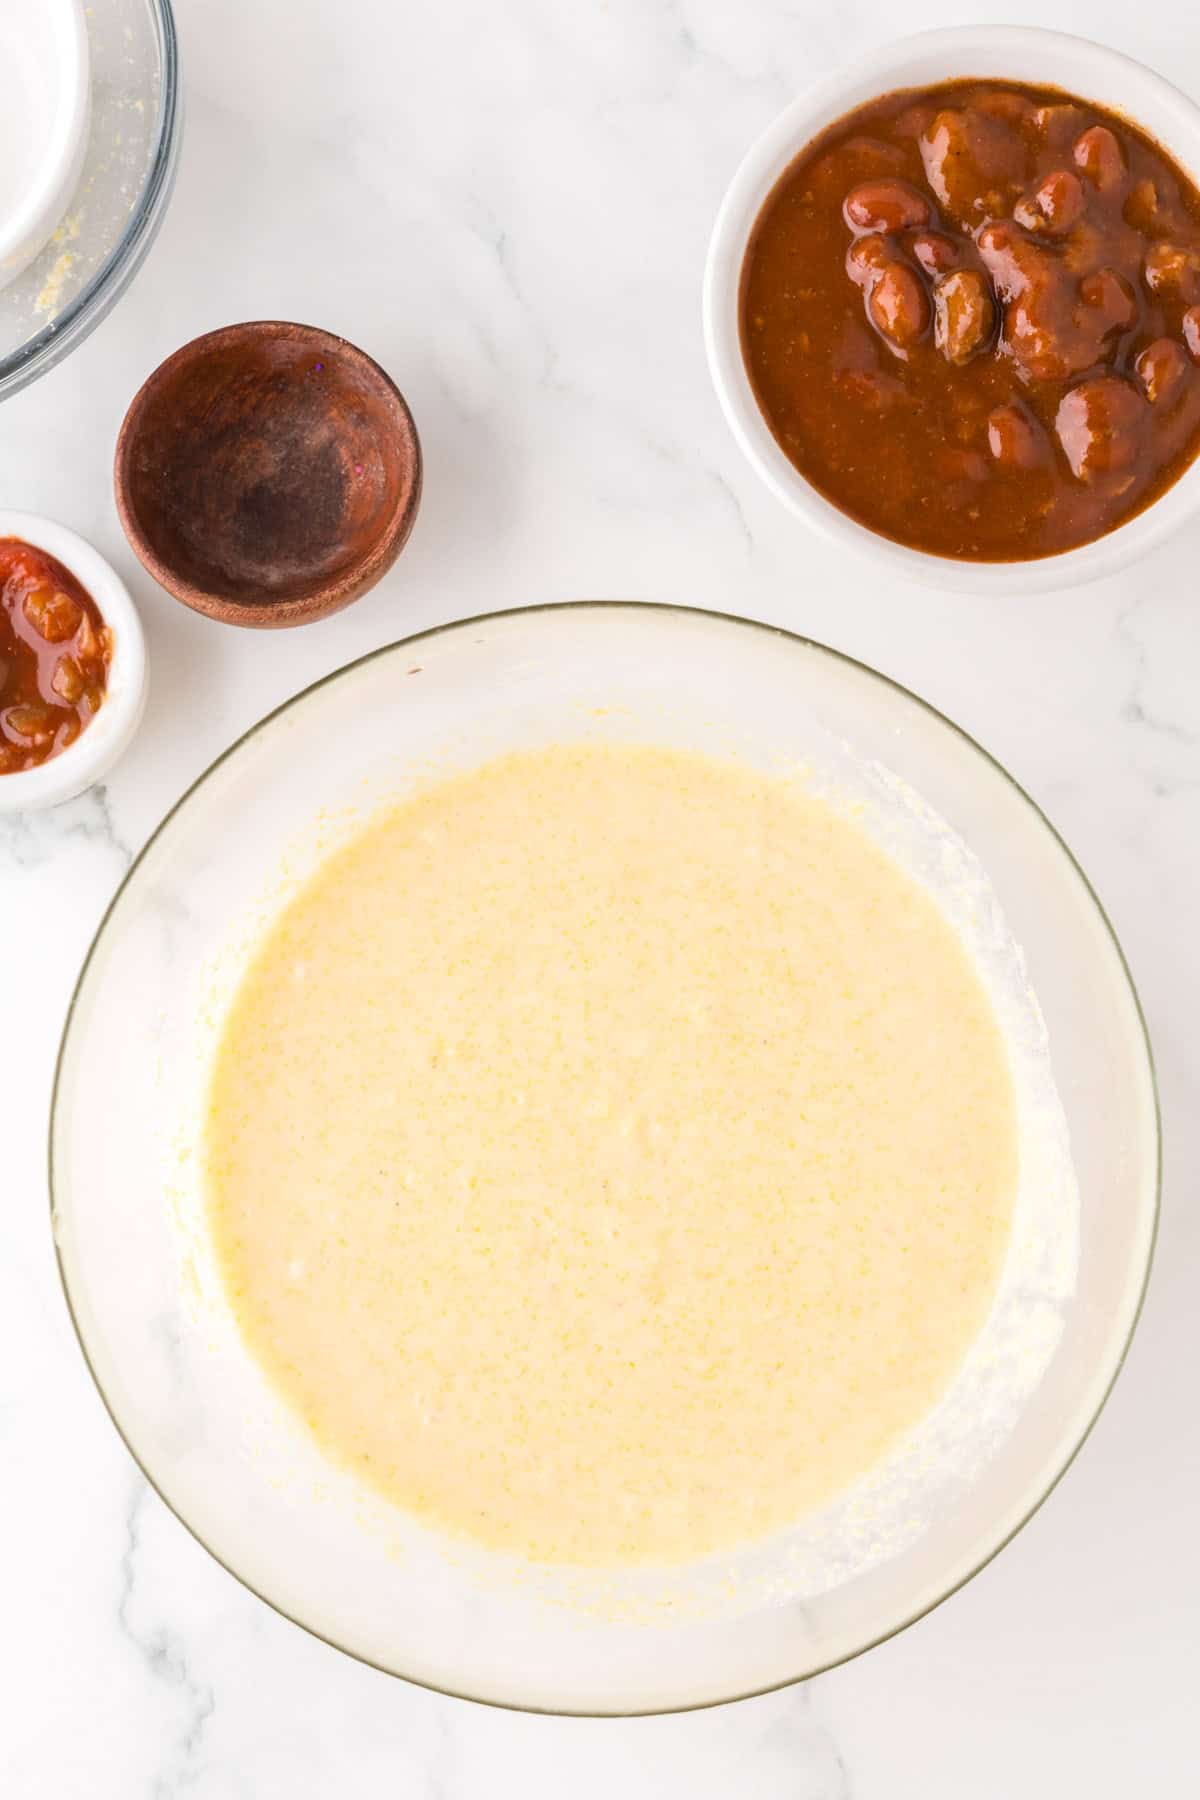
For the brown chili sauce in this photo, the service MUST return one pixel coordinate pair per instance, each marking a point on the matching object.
(971, 317)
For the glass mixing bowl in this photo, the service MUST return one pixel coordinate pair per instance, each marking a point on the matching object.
(117, 208)
(127, 1200)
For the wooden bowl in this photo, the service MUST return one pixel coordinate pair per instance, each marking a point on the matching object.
(268, 474)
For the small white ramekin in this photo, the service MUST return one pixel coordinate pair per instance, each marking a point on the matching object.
(101, 742)
(1001, 52)
(54, 38)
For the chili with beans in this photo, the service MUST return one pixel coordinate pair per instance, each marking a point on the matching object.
(55, 651)
(971, 317)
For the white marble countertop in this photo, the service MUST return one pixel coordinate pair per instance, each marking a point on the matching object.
(508, 204)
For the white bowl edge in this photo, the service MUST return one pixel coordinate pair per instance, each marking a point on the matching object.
(35, 221)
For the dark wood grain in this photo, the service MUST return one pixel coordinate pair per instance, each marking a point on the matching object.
(268, 474)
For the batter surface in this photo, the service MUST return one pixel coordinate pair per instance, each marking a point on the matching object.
(611, 1153)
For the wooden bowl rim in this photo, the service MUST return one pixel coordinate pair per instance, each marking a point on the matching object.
(333, 595)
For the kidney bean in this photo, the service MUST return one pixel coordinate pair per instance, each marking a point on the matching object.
(899, 305)
(964, 314)
(865, 259)
(1031, 285)
(1162, 368)
(1053, 329)
(1098, 156)
(1141, 207)
(1013, 262)
(1015, 438)
(1100, 425)
(936, 253)
(1035, 337)
(1003, 104)
(1191, 331)
(971, 162)
(1173, 269)
(1110, 299)
(1055, 207)
(1058, 123)
(887, 206)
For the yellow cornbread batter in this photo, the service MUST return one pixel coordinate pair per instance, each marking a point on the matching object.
(611, 1153)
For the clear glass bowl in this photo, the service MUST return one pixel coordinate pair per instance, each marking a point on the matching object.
(118, 206)
(128, 1202)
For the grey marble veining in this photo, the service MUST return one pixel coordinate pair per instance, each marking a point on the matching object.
(29, 841)
(509, 206)
(164, 1652)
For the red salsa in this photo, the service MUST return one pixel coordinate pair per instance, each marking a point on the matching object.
(55, 651)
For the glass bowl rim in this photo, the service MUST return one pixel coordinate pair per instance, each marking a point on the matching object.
(793, 638)
(92, 304)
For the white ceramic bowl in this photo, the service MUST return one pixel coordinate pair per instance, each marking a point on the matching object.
(97, 748)
(1003, 52)
(44, 47)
